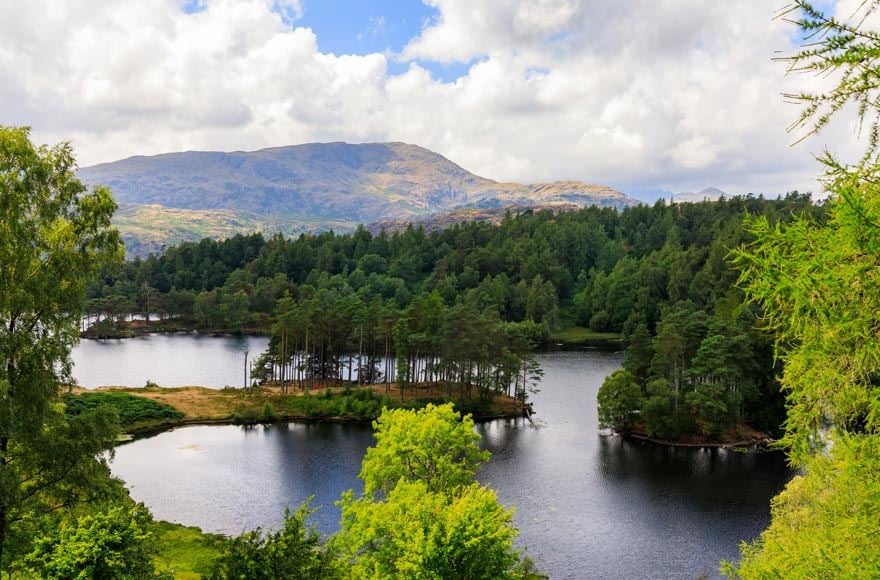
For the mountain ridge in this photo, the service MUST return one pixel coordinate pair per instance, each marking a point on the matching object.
(282, 188)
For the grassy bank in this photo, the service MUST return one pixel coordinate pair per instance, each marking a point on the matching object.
(187, 552)
(154, 408)
(577, 335)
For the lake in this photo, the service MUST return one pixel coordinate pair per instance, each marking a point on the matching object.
(169, 360)
(588, 504)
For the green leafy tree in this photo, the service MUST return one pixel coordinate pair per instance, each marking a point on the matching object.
(434, 445)
(54, 236)
(824, 524)
(431, 519)
(620, 397)
(115, 544)
(639, 353)
(416, 533)
(294, 551)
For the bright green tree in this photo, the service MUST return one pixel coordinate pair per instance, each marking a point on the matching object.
(434, 445)
(825, 522)
(416, 533)
(54, 235)
(422, 514)
(294, 551)
(819, 286)
(109, 545)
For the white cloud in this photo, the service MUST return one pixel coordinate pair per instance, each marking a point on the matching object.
(641, 94)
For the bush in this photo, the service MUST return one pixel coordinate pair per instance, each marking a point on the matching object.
(112, 544)
(246, 414)
(294, 551)
(132, 410)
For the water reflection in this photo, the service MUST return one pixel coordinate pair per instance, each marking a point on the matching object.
(588, 505)
(171, 360)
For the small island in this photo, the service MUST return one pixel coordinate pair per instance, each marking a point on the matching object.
(151, 409)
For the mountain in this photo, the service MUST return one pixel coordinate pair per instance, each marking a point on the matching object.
(708, 194)
(177, 196)
(492, 215)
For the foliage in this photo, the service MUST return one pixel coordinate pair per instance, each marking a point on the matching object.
(658, 411)
(825, 522)
(616, 268)
(360, 403)
(818, 284)
(294, 551)
(415, 532)
(434, 445)
(422, 514)
(846, 51)
(461, 306)
(108, 545)
(54, 236)
(132, 410)
(619, 400)
(186, 552)
(699, 373)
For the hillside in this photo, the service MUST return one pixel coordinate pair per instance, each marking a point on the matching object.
(313, 186)
(707, 194)
(443, 220)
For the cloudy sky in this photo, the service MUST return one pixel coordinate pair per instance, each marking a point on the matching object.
(637, 94)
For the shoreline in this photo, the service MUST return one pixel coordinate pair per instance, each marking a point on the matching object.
(145, 431)
(758, 442)
(268, 404)
(562, 339)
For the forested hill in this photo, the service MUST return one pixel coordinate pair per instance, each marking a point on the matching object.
(189, 195)
(597, 267)
(657, 274)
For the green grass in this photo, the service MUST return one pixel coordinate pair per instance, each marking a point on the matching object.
(348, 403)
(579, 334)
(133, 411)
(186, 551)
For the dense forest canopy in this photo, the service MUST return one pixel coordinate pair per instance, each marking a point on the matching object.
(595, 267)
(464, 306)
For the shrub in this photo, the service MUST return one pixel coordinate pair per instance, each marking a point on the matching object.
(132, 410)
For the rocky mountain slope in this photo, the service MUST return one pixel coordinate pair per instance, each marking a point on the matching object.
(171, 197)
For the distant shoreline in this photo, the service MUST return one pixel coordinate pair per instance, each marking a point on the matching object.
(574, 336)
(755, 439)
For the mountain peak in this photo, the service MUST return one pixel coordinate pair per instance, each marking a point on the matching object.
(315, 184)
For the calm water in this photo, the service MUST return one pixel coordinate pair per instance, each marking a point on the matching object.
(588, 505)
(170, 360)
